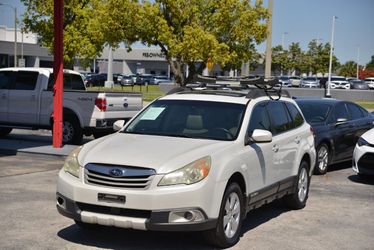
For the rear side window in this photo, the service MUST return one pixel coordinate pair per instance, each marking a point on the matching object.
(25, 80)
(5, 79)
(259, 119)
(341, 112)
(71, 82)
(296, 117)
(279, 116)
(355, 111)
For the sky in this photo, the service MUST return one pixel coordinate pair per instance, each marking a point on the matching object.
(302, 21)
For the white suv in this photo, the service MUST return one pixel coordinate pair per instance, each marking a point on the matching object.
(192, 161)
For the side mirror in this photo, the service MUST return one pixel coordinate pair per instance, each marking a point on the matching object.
(340, 121)
(259, 136)
(118, 125)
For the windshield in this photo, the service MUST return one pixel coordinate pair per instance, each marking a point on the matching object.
(315, 112)
(310, 79)
(338, 79)
(188, 118)
(284, 78)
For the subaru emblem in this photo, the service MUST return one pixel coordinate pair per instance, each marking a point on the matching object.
(116, 172)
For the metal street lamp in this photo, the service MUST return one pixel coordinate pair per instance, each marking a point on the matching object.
(283, 35)
(328, 94)
(15, 31)
(358, 59)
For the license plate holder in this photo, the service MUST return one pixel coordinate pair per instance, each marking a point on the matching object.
(112, 198)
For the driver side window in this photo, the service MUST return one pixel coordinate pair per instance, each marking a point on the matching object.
(259, 118)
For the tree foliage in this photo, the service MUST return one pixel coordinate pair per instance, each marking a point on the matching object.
(349, 69)
(370, 64)
(188, 32)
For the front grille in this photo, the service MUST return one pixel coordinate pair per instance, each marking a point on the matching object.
(118, 176)
(146, 214)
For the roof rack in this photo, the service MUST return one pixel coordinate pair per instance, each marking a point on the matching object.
(256, 87)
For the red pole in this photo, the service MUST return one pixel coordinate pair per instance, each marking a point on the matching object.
(58, 67)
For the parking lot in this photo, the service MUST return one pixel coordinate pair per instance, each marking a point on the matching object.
(338, 215)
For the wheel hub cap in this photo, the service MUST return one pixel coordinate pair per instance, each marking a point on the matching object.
(303, 185)
(231, 218)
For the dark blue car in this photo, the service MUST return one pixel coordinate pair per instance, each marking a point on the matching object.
(337, 125)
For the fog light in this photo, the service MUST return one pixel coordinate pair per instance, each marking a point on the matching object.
(61, 202)
(185, 216)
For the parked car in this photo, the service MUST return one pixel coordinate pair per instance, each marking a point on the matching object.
(309, 82)
(159, 79)
(363, 155)
(339, 82)
(27, 102)
(144, 79)
(127, 80)
(295, 81)
(285, 81)
(337, 125)
(370, 82)
(359, 84)
(95, 80)
(192, 161)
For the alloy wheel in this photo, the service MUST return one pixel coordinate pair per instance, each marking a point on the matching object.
(231, 219)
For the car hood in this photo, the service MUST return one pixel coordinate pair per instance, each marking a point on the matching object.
(369, 136)
(164, 154)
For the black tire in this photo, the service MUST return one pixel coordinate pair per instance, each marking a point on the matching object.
(322, 159)
(297, 200)
(5, 131)
(232, 201)
(72, 132)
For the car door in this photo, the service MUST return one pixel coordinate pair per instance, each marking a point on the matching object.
(5, 79)
(259, 156)
(23, 103)
(284, 144)
(344, 132)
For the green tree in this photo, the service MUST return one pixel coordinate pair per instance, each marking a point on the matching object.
(349, 69)
(370, 64)
(280, 59)
(81, 39)
(193, 31)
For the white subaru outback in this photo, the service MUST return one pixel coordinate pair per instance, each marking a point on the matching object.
(192, 161)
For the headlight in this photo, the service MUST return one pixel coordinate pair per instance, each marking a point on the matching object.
(71, 164)
(190, 174)
(362, 142)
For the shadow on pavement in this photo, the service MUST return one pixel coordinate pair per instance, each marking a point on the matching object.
(116, 238)
(6, 152)
(368, 180)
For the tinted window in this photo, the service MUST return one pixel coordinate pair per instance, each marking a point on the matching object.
(5, 79)
(341, 111)
(314, 111)
(71, 82)
(77, 82)
(259, 118)
(279, 117)
(295, 114)
(355, 111)
(26, 80)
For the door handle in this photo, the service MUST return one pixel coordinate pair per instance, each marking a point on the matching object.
(297, 139)
(275, 148)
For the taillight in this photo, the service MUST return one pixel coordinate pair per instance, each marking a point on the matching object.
(101, 103)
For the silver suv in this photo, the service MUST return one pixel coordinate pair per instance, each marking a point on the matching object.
(194, 160)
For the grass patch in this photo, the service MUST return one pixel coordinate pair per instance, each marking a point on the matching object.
(366, 104)
(149, 92)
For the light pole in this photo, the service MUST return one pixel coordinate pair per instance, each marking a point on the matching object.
(268, 41)
(283, 36)
(358, 58)
(328, 94)
(15, 31)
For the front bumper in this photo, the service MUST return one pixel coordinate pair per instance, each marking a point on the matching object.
(179, 208)
(363, 160)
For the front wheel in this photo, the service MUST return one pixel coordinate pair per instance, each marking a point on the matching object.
(228, 228)
(298, 199)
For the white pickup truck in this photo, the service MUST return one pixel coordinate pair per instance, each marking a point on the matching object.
(26, 101)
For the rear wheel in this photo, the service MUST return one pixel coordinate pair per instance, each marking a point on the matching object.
(228, 228)
(298, 199)
(322, 161)
(5, 131)
(71, 131)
